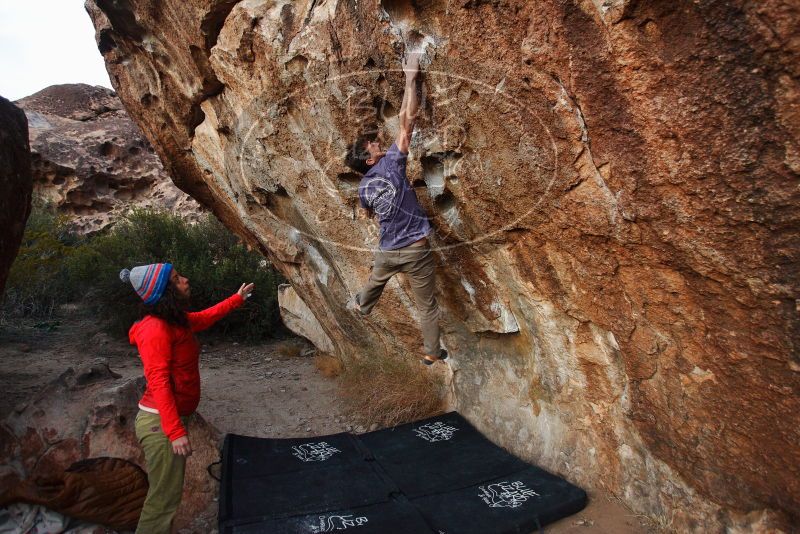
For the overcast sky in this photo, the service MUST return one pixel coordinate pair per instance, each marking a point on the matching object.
(46, 42)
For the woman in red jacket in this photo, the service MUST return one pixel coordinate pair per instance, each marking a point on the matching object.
(170, 354)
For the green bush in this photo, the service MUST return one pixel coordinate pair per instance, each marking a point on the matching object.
(55, 267)
(37, 282)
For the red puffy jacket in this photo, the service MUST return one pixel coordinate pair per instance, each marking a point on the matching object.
(170, 355)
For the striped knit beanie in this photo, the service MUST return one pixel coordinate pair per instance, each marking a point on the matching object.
(149, 281)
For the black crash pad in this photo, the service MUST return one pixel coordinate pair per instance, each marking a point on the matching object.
(439, 454)
(286, 477)
(248, 457)
(439, 476)
(394, 517)
(518, 503)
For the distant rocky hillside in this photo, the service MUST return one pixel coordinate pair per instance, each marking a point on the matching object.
(91, 160)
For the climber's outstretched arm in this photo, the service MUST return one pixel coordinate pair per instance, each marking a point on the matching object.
(410, 106)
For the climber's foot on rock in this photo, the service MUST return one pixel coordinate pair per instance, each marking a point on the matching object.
(430, 360)
(354, 304)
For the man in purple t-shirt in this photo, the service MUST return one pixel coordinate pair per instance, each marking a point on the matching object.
(385, 193)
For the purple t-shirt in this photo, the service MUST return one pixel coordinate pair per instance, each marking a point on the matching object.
(385, 190)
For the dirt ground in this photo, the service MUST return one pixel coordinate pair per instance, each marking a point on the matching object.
(272, 389)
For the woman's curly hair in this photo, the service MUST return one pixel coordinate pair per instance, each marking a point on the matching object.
(171, 307)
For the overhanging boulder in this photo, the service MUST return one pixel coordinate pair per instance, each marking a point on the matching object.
(613, 186)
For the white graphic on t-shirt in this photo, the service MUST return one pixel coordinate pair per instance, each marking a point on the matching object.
(380, 195)
(506, 494)
(329, 523)
(435, 432)
(314, 452)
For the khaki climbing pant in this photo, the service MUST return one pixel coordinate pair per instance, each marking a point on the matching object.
(419, 265)
(165, 471)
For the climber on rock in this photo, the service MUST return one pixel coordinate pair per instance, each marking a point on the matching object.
(385, 193)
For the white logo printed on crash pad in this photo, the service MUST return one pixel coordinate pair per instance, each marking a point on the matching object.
(314, 452)
(435, 432)
(506, 494)
(329, 523)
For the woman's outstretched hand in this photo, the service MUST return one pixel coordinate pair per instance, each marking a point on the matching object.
(245, 290)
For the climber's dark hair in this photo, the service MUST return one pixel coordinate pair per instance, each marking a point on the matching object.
(357, 154)
(171, 307)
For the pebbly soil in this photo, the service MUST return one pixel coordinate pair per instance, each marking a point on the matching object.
(270, 389)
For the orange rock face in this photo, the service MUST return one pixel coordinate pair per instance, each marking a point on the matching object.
(614, 190)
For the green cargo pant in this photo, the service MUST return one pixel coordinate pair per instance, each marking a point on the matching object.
(164, 474)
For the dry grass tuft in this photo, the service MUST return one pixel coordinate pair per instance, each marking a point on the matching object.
(328, 365)
(290, 349)
(389, 391)
(657, 524)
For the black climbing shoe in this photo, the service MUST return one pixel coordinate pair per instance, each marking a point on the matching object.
(441, 358)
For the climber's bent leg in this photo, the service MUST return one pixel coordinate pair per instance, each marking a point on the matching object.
(382, 270)
(420, 266)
